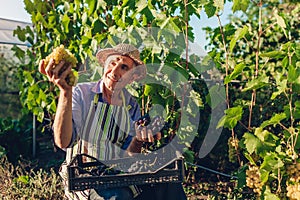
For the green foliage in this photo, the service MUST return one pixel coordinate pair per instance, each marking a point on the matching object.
(258, 53)
(231, 117)
(9, 103)
(84, 26)
(9, 81)
(15, 138)
(262, 66)
(160, 27)
(19, 183)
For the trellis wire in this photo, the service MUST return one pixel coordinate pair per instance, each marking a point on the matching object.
(211, 170)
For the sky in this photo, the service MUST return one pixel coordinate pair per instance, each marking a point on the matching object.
(14, 9)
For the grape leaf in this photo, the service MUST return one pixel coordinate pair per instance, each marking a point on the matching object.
(268, 195)
(266, 137)
(257, 83)
(280, 22)
(271, 162)
(292, 74)
(210, 10)
(65, 22)
(251, 142)
(238, 69)
(219, 4)
(239, 34)
(274, 120)
(23, 179)
(240, 5)
(231, 117)
(140, 5)
(273, 54)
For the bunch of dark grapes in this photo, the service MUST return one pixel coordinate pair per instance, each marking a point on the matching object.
(293, 185)
(144, 120)
(233, 144)
(59, 54)
(253, 179)
(155, 125)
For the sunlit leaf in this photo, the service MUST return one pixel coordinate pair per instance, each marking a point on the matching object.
(240, 5)
(271, 162)
(238, 69)
(281, 87)
(231, 117)
(280, 22)
(23, 179)
(268, 195)
(52, 106)
(251, 142)
(219, 4)
(249, 158)
(91, 6)
(276, 118)
(65, 22)
(273, 54)
(264, 175)
(140, 5)
(257, 83)
(29, 6)
(292, 74)
(39, 18)
(239, 34)
(28, 76)
(266, 137)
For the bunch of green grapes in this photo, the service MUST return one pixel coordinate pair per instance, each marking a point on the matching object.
(293, 191)
(294, 172)
(293, 185)
(233, 144)
(253, 179)
(59, 54)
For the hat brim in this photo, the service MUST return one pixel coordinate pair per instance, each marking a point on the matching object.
(103, 54)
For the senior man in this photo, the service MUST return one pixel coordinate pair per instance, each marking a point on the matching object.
(102, 116)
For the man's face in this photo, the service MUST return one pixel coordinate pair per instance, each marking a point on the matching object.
(118, 72)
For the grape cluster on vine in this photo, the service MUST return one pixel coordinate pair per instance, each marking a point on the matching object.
(233, 144)
(293, 184)
(253, 179)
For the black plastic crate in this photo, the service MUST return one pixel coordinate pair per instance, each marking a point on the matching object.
(86, 172)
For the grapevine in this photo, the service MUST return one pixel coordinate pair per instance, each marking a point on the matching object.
(59, 54)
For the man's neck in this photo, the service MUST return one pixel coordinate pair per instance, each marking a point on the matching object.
(112, 96)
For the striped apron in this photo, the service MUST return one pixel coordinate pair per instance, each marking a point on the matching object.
(105, 130)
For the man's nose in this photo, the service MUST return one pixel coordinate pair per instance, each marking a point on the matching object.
(116, 68)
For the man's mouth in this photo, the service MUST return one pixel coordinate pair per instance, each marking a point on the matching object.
(114, 80)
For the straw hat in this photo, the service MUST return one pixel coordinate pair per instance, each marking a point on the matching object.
(125, 50)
